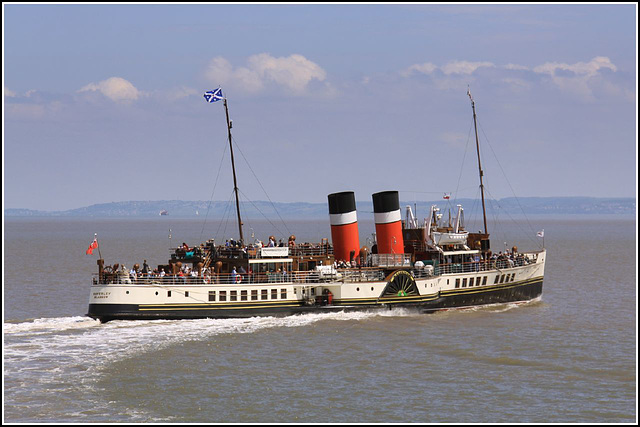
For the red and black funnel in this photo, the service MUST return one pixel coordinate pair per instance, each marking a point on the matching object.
(388, 219)
(344, 225)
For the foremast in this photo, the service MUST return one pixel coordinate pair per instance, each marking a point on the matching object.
(480, 172)
(213, 96)
(233, 168)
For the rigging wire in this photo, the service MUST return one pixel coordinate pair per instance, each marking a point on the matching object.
(259, 183)
(213, 191)
(258, 209)
(517, 223)
(507, 180)
(225, 216)
(462, 166)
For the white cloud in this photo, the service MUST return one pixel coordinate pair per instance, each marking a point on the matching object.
(115, 88)
(9, 93)
(426, 68)
(585, 79)
(580, 78)
(453, 67)
(294, 72)
(516, 67)
(588, 69)
(464, 67)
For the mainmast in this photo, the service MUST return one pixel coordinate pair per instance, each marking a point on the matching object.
(475, 124)
(233, 168)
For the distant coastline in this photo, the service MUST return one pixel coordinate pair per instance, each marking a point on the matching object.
(624, 206)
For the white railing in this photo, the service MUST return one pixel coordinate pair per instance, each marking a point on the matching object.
(350, 275)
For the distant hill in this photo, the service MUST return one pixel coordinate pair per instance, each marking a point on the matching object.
(302, 210)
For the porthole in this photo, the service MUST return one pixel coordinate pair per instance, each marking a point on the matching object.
(372, 288)
(357, 289)
(156, 292)
(127, 292)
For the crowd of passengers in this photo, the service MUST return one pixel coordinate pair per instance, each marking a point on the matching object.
(237, 247)
(187, 274)
(479, 262)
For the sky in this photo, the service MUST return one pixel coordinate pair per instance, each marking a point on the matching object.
(104, 103)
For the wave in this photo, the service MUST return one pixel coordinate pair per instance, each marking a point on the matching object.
(81, 341)
(50, 324)
(499, 307)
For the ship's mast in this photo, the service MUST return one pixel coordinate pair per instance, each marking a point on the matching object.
(475, 124)
(233, 168)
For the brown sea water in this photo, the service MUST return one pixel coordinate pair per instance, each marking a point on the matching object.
(569, 357)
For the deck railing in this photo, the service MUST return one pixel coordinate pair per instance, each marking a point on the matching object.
(476, 266)
(340, 275)
(364, 274)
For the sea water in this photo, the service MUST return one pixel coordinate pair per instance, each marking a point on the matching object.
(569, 356)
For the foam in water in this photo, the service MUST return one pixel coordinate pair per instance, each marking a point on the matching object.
(81, 341)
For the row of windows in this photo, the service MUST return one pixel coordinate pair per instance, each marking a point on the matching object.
(479, 281)
(505, 278)
(469, 282)
(244, 295)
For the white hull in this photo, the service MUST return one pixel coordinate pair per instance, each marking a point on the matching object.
(179, 300)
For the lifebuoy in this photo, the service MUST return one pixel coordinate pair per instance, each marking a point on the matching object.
(206, 280)
(238, 278)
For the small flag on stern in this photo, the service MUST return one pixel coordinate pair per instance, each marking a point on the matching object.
(213, 95)
(541, 233)
(446, 196)
(92, 246)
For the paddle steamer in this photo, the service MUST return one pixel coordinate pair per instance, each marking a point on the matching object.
(426, 265)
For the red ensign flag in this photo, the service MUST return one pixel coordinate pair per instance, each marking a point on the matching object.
(92, 246)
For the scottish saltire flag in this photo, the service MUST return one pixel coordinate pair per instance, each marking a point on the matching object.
(214, 95)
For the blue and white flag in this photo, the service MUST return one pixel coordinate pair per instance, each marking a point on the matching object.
(214, 95)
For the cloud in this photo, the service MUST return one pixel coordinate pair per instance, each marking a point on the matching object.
(426, 68)
(9, 93)
(453, 67)
(464, 67)
(581, 78)
(295, 73)
(587, 69)
(115, 88)
(588, 80)
(516, 67)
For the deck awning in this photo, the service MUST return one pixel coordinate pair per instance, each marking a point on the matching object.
(469, 252)
(269, 260)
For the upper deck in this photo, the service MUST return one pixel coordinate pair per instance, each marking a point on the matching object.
(377, 269)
